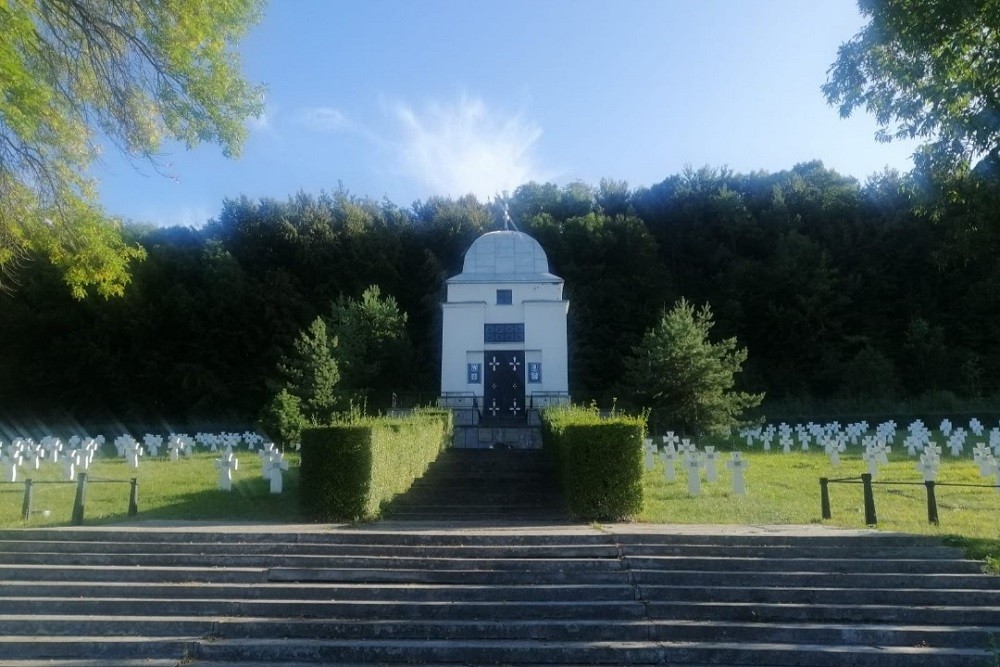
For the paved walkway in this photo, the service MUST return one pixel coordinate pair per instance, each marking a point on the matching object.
(472, 528)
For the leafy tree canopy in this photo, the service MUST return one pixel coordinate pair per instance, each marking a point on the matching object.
(926, 69)
(74, 73)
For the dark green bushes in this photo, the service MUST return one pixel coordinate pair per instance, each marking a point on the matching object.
(599, 461)
(350, 470)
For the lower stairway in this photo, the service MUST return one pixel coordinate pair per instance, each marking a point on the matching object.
(626, 594)
(506, 485)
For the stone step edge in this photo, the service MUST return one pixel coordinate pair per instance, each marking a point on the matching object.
(539, 605)
(489, 643)
(563, 645)
(638, 560)
(292, 586)
(336, 532)
(126, 662)
(210, 621)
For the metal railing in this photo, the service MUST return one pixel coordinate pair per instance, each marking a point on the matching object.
(80, 500)
(865, 480)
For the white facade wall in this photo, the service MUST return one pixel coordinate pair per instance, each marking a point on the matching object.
(544, 341)
(462, 331)
(545, 336)
(504, 261)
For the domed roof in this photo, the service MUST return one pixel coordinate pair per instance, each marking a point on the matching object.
(505, 256)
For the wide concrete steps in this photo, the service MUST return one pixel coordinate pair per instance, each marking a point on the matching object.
(562, 596)
(484, 485)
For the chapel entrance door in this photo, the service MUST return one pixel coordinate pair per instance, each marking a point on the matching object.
(503, 389)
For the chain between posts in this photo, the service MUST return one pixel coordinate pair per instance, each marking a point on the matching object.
(80, 500)
(869, 497)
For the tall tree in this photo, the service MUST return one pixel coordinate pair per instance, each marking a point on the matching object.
(373, 349)
(684, 377)
(928, 69)
(312, 374)
(77, 73)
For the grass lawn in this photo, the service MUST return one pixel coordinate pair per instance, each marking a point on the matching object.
(782, 489)
(184, 489)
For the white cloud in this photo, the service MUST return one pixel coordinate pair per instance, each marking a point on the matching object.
(323, 119)
(465, 147)
(260, 124)
(185, 216)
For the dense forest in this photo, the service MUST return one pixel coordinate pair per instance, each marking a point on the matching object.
(839, 289)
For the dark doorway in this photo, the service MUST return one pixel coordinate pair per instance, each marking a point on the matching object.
(503, 389)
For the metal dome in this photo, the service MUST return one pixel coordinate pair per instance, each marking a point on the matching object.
(505, 256)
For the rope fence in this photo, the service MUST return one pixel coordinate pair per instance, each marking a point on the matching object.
(80, 500)
(865, 479)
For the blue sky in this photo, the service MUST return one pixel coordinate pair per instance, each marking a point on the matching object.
(406, 100)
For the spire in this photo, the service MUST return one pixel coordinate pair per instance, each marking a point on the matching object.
(507, 222)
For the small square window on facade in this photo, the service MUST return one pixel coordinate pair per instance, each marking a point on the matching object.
(475, 374)
(534, 372)
(505, 297)
(503, 333)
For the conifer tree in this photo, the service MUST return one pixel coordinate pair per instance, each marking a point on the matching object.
(686, 379)
(312, 373)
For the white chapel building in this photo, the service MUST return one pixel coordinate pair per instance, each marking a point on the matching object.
(504, 348)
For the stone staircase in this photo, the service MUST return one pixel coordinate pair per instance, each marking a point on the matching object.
(569, 595)
(511, 485)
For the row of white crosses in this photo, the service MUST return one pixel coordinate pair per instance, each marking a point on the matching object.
(693, 462)
(801, 436)
(25, 452)
(917, 442)
(181, 445)
(272, 462)
(81, 452)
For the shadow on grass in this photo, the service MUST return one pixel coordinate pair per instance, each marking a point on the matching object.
(249, 500)
(978, 548)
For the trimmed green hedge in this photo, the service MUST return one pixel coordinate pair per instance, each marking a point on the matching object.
(348, 471)
(599, 461)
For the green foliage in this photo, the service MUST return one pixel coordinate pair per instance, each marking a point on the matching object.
(312, 374)
(373, 349)
(349, 471)
(138, 73)
(337, 362)
(805, 267)
(614, 281)
(283, 420)
(599, 461)
(926, 69)
(685, 378)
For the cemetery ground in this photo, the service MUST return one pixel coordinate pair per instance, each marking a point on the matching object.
(784, 489)
(781, 489)
(186, 489)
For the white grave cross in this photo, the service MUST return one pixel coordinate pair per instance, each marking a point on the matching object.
(175, 447)
(738, 465)
(927, 467)
(669, 458)
(648, 450)
(226, 465)
(711, 474)
(693, 467)
(278, 464)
